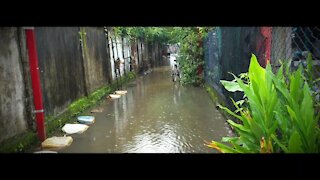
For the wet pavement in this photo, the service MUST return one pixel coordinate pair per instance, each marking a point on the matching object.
(155, 116)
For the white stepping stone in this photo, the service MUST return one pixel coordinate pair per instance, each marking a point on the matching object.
(57, 142)
(114, 96)
(86, 119)
(121, 92)
(74, 128)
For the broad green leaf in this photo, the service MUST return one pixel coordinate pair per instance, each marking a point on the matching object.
(239, 126)
(283, 147)
(230, 112)
(249, 142)
(228, 139)
(256, 130)
(280, 73)
(282, 120)
(257, 88)
(231, 86)
(238, 110)
(295, 85)
(310, 120)
(236, 104)
(244, 76)
(295, 143)
(256, 72)
(272, 105)
(246, 118)
(279, 104)
(240, 102)
(242, 148)
(299, 124)
(284, 92)
(258, 114)
(307, 105)
(292, 113)
(222, 148)
(269, 77)
(273, 128)
(253, 100)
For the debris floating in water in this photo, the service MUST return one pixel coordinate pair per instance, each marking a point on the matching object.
(97, 110)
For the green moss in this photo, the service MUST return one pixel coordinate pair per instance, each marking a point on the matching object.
(211, 93)
(19, 143)
(84, 103)
(217, 99)
(214, 95)
(25, 141)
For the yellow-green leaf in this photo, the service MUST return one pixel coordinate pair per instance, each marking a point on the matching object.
(295, 143)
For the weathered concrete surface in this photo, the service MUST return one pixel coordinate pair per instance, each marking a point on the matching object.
(281, 45)
(12, 109)
(134, 55)
(28, 99)
(66, 74)
(97, 61)
(61, 67)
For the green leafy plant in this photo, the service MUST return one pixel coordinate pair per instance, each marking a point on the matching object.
(191, 58)
(277, 113)
(189, 39)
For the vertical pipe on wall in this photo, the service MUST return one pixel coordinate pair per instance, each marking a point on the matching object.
(267, 33)
(36, 86)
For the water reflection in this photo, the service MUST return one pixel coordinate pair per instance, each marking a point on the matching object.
(155, 116)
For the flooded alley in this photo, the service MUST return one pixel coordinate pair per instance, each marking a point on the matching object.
(155, 116)
(153, 89)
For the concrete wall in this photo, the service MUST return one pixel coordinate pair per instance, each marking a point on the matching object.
(97, 60)
(61, 67)
(134, 54)
(12, 89)
(69, 69)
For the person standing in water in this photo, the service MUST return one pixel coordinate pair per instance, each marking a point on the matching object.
(175, 72)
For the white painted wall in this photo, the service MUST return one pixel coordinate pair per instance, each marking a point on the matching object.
(117, 45)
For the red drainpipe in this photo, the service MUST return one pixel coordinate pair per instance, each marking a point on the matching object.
(36, 86)
(267, 34)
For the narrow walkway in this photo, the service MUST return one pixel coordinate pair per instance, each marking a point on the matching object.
(155, 116)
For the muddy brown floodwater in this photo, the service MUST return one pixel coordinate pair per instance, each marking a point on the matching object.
(155, 116)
